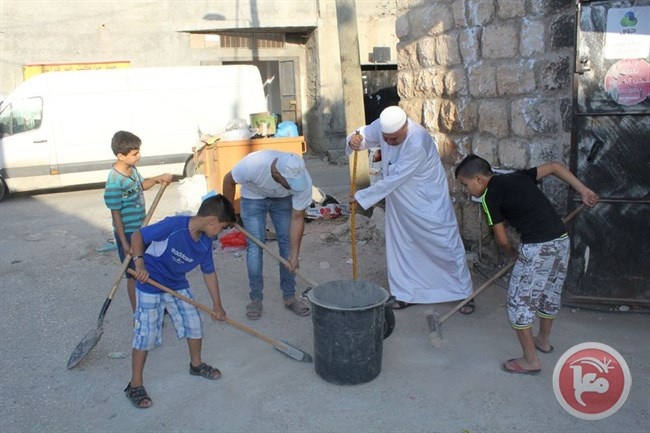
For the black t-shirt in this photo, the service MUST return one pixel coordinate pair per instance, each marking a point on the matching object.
(515, 197)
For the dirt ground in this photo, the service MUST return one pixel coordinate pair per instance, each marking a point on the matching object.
(54, 281)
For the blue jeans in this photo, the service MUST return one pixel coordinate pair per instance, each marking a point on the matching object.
(253, 215)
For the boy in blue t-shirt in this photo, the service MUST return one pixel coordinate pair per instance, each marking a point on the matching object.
(123, 195)
(175, 246)
(541, 261)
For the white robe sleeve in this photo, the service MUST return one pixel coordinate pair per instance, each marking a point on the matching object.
(412, 156)
(371, 137)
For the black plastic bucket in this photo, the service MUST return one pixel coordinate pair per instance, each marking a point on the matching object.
(348, 319)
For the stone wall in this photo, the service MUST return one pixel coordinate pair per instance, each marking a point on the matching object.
(490, 77)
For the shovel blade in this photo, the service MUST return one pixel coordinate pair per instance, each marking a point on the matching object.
(294, 352)
(85, 346)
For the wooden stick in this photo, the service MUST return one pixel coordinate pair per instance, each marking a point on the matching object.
(353, 216)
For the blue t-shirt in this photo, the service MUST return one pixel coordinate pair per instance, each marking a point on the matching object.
(171, 252)
(126, 194)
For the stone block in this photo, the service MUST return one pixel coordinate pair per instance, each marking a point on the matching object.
(511, 8)
(468, 41)
(402, 27)
(513, 153)
(447, 148)
(555, 74)
(514, 78)
(459, 10)
(422, 83)
(547, 150)
(437, 81)
(455, 82)
(549, 7)
(447, 51)
(494, 117)
(405, 84)
(423, 20)
(459, 116)
(486, 146)
(481, 12)
(482, 80)
(413, 108)
(532, 37)
(407, 55)
(566, 107)
(500, 41)
(431, 113)
(444, 20)
(562, 31)
(426, 51)
(534, 116)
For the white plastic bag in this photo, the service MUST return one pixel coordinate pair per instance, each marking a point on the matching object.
(191, 191)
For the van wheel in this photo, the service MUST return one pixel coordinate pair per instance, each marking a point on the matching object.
(3, 189)
(190, 168)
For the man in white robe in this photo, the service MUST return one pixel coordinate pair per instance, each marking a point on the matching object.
(425, 256)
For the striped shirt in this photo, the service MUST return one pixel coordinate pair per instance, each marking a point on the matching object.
(126, 194)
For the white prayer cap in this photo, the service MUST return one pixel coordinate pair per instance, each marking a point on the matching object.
(292, 168)
(392, 119)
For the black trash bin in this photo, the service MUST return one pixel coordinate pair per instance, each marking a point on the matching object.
(348, 319)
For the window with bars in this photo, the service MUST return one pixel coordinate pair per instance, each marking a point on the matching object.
(252, 40)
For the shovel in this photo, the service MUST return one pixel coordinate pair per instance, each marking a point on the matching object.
(281, 346)
(93, 336)
(435, 323)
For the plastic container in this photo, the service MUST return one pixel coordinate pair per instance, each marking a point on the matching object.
(264, 123)
(348, 320)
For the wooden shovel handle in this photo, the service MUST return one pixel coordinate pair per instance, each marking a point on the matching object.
(353, 217)
(277, 256)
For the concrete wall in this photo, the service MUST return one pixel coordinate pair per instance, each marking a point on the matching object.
(172, 33)
(490, 77)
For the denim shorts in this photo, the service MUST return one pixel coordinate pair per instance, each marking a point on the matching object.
(149, 315)
(537, 281)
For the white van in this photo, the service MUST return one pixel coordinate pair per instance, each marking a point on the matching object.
(56, 128)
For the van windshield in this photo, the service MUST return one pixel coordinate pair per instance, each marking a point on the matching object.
(20, 116)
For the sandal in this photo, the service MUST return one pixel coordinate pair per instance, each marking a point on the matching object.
(297, 306)
(468, 308)
(205, 370)
(254, 310)
(137, 396)
(399, 305)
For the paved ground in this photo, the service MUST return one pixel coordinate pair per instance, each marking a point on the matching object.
(53, 283)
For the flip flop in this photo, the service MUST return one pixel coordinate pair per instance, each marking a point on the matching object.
(399, 305)
(517, 369)
(542, 349)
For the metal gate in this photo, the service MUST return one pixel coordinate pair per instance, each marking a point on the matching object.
(611, 153)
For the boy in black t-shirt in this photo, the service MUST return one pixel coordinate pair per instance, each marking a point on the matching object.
(541, 261)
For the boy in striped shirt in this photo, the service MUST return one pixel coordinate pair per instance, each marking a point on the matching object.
(124, 196)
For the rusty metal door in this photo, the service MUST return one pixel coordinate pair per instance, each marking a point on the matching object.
(611, 153)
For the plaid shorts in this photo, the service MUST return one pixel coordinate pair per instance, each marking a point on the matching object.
(536, 282)
(149, 315)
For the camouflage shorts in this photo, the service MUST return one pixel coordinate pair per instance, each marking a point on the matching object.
(536, 282)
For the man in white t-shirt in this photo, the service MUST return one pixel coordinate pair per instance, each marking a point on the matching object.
(274, 183)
